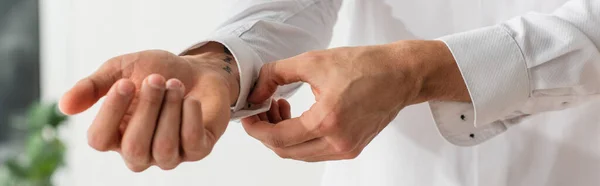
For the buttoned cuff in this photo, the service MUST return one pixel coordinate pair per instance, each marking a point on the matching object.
(496, 76)
(249, 65)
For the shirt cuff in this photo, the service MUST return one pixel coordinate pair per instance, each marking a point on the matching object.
(496, 75)
(249, 65)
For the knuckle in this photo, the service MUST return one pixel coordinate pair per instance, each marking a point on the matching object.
(98, 142)
(351, 155)
(281, 153)
(135, 153)
(197, 155)
(195, 151)
(169, 166)
(136, 168)
(343, 146)
(116, 62)
(275, 142)
(191, 142)
(266, 69)
(165, 150)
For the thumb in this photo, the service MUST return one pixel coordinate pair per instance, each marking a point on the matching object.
(276, 74)
(89, 90)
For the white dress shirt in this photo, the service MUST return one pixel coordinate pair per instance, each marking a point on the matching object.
(530, 65)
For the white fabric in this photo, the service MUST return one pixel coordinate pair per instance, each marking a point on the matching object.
(521, 59)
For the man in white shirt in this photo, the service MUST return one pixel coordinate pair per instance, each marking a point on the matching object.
(482, 66)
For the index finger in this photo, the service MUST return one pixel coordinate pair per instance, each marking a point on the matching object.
(215, 107)
(279, 73)
(104, 134)
(286, 133)
(290, 131)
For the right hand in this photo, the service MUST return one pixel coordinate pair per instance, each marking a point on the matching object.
(358, 92)
(160, 109)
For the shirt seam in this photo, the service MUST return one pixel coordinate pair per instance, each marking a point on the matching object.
(284, 19)
(529, 92)
(281, 19)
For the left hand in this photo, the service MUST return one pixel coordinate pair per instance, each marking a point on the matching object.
(358, 91)
(160, 108)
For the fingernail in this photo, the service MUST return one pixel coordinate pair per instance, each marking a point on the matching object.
(173, 84)
(125, 88)
(156, 81)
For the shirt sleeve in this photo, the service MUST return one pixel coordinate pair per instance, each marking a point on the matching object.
(263, 31)
(527, 65)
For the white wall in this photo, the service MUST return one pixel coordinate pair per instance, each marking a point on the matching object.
(78, 35)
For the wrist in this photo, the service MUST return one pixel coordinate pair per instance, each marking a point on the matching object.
(215, 56)
(435, 71)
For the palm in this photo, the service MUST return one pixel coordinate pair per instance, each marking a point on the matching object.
(200, 86)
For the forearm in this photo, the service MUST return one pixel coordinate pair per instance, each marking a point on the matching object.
(433, 67)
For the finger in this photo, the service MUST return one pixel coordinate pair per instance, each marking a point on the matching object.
(104, 133)
(286, 133)
(165, 145)
(285, 109)
(193, 134)
(89, 90)
(294, 130)
(273, 113)
(250, 119)
(331, 157)
(215, 109)
(138, 135)
(278, 73)
(312, 148)
(263, 117)
(340, 155)
(326, 158)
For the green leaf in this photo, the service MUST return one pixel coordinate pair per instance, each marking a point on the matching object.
(41, 115)
(56, 118)
(38, 116)
(44, 164)
(43, 154)
(15, 168)
(35, 145)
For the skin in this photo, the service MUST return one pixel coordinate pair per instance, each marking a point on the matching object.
(342, 121)
(159, 109)
(162, 109)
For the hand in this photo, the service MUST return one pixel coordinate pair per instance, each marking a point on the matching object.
(280, 110)
(358, 91)
(160, 109)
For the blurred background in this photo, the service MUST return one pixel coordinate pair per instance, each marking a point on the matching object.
(47, 45)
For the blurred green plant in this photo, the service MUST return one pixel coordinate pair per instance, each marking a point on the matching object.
(44, 152)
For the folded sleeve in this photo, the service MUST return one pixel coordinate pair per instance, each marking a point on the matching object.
(263, 31)
(524, 66)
